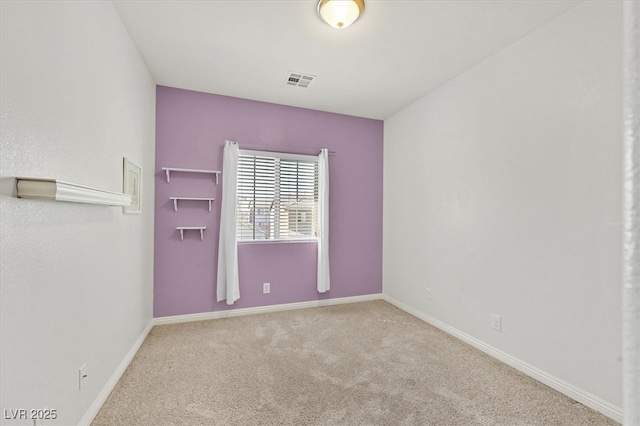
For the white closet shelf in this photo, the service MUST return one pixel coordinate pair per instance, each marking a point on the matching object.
(175, 201)
(168, 171)
(58, 190)
(188, 228)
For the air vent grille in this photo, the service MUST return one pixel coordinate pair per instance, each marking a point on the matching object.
(299, 79)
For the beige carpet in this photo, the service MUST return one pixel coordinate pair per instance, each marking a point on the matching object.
(357, 364)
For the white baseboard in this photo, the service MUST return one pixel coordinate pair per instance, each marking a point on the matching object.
(263, 309)
(561, 386)
(95, 407)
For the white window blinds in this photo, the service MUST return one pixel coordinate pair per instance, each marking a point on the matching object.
(277, 196)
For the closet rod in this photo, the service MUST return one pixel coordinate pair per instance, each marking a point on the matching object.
(286, 149)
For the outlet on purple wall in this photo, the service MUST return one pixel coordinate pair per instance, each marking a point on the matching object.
(191, 128)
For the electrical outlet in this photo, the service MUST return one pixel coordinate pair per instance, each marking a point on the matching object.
(82, 376)
(428, 292)
(266, 288)
(496, 322)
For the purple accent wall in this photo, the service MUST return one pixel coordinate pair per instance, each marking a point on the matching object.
(191, 128)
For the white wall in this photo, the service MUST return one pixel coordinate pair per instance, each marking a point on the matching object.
(76, 279)
(502, 194)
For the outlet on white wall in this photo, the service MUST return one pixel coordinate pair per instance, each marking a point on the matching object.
(428, 292)
(496, 322)
(266, 288)
(82, 375)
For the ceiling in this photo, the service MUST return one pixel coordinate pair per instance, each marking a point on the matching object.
(397, 51)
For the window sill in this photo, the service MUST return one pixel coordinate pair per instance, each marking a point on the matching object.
(310, 240)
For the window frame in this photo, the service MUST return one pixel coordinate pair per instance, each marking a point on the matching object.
(281, 156)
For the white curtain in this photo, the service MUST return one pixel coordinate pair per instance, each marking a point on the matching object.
(323, 221)
(228, 281)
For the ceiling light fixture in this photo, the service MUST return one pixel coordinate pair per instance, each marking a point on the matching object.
(340, 13)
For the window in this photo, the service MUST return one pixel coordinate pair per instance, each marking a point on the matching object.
(277, 196)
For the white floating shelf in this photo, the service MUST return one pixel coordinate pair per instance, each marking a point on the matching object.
(187, 228)
(175, 201)
(168, 171)
(58, 190)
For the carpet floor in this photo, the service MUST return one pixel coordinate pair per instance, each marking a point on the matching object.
(364, 363)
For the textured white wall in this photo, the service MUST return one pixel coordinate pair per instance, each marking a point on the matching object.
(76, 279)
(631, 217)
(503, 195)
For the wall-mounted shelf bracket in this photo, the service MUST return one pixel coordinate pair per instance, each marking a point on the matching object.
(168, 171)
(175, 201)
(58, 190)
(187, 228)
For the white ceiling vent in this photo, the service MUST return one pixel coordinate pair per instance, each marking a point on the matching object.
(299, 79)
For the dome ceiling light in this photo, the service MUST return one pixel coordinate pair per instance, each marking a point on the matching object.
(340, 13)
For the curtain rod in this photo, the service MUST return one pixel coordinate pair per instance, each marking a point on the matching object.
(287, 149)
